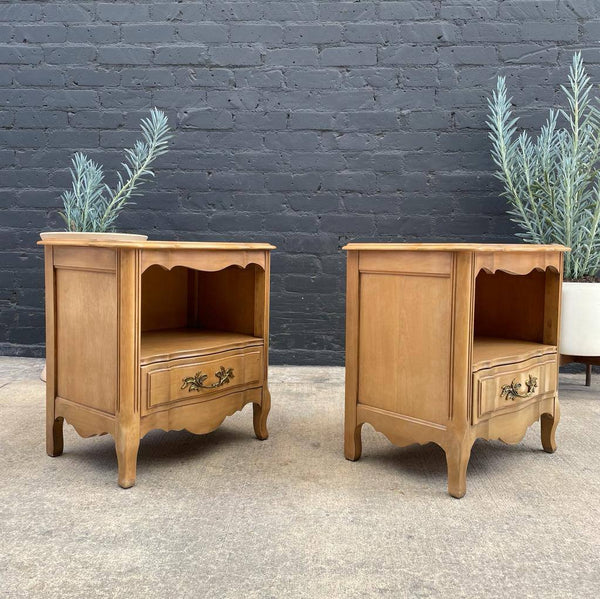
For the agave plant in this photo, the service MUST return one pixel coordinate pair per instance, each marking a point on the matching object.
(552, 183)
(90, 204)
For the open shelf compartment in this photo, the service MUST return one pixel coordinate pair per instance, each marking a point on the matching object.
(190, 312)
(516, 317)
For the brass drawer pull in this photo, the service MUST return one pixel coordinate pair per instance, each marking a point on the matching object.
(196, 382)
(512, 391)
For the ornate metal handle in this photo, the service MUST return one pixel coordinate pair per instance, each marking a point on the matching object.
(512, 391)
(196, 382)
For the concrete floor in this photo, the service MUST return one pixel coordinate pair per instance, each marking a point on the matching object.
(224, 515)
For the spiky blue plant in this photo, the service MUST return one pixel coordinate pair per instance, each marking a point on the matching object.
(90, 204)
(552, 183)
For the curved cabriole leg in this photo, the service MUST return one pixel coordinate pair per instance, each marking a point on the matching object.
(260, 412)
(457, 460)
(54, 436)
(353, 443)
(127, 444)
(549, 424)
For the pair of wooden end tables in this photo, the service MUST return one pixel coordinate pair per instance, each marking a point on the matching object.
(445, 343)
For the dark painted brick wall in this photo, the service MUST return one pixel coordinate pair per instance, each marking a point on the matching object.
(307, 124)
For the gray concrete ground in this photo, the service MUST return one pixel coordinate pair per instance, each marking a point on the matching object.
(224, 515)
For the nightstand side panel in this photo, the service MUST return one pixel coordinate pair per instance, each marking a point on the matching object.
(405, 334)
(86, 327)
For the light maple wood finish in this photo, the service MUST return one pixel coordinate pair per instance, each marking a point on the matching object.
(352, 429)
(169, 344)
(86, 309)
(162, 381)
(489, 382)
(127, 322)
(496, 351)
(260, 410)
(434, 334)
(482, 249)
(171, 246)
(219, 294)
(511, 304)
(54, 423)
(165, 298)
(422, 322)
(127, 429)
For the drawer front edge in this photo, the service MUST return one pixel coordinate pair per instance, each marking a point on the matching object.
(492, 387)
(192, 380)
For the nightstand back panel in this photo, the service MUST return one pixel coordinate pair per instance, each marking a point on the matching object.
(86, 337)
(510, 306)
(226, 299)
(165, 298)
(404, 344)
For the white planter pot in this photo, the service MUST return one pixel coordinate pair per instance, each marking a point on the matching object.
(76, 236)
(580, 319)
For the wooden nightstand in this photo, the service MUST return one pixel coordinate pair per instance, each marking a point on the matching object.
(452, 342)
(154, 335)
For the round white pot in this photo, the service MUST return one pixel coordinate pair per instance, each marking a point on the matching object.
(73, 235)
(580, 319)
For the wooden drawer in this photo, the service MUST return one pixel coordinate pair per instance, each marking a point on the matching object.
(190, 380)
(508, 387)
